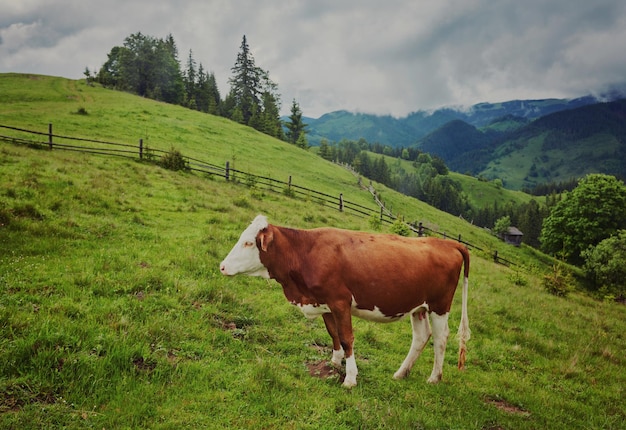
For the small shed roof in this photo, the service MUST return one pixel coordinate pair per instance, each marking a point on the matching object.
(514, 231)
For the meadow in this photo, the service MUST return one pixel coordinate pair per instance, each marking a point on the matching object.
(113, 313)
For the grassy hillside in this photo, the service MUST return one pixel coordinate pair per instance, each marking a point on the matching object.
(480, 193)
(529, 161)
(555, 148)
(113, 313)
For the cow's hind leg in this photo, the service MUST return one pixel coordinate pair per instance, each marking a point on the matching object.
(440, 339)
(343, 324)
(338, 353)
(421, 334)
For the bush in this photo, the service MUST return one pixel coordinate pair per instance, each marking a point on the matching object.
(518, 279)
(559, 281)
(400, 228)
(375, 223)
(604, 267)
(501, 227)
(251, 181)
(173, 160)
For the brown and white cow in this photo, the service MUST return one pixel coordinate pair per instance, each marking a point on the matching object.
(339, 273)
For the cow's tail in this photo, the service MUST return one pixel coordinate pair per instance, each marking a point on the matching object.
(464, 330)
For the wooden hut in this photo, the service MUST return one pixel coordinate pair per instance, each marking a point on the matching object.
(513, 236)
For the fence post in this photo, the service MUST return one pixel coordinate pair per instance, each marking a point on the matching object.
(289, 184)
(226, 172)
(495, 256)
(141, 149)
(381, 213)
(340, 199)
(460, 238)
(420, 230)
(50, 135)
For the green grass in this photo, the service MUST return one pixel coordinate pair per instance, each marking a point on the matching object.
(113, 313)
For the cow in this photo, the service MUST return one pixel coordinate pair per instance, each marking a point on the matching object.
(378, 277)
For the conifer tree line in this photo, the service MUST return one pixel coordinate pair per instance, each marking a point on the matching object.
(150, 67)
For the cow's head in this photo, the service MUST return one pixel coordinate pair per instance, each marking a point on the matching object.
(244, 257)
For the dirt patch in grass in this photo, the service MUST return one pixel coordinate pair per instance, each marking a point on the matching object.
(144, 364)
(321, 369)
(505, 406)
(14, 398)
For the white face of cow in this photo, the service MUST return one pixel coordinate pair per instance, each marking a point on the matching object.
(244, 257)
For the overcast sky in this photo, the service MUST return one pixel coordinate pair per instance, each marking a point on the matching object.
(384, 57)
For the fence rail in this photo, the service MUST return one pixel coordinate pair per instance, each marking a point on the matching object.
(142, 152)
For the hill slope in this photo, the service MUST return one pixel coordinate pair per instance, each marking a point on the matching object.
(554, 148)
(562, 146)
(114, 314)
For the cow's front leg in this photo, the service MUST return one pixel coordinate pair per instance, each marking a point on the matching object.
(343, 323)
(331, 327)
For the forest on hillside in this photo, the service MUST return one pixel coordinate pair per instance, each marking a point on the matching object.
(430, 182)
(150, 67)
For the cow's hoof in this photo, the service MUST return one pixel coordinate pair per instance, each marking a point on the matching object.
(434, 379)
(349, 384)
(401, 374)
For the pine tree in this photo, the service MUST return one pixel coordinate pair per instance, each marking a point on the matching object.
(302, 142)
(271, 123)
(190, 80)
(295, 125)
(215, 100)
(202, 91)
(170, 76)
(245, 83)
(325, 151)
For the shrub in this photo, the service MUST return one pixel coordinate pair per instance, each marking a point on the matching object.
(251, 181)
(375, 223)
(558, 281)
(173, 160)
(502, 226)
(518, 279)
(400, 228)
(604, 267)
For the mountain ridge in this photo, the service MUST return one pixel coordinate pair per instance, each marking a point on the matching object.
(405, 131)
(523, 142)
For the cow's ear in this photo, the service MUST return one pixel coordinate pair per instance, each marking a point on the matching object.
(264, 238)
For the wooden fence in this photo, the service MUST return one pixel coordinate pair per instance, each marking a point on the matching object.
(140, 151)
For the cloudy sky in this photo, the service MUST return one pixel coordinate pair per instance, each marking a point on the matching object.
(385, 57)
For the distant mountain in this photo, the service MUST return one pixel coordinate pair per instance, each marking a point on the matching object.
(553, 148)
(445, 141)
(404, 132)
(523, 142)
(339, 125)
(483, 114)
